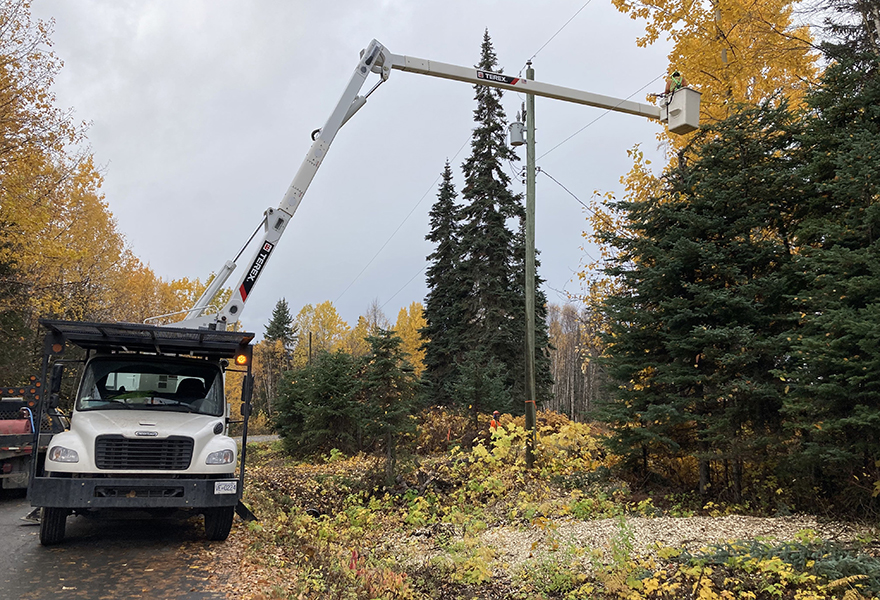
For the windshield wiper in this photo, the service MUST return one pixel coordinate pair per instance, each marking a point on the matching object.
(121, 401)
(170, 402)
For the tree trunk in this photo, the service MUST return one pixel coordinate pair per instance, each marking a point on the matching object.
(389, 459)
(737, 475)
(705, 476)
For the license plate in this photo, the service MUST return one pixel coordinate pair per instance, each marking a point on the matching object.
(225, 487)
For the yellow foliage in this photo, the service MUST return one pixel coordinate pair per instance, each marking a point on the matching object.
(409, 321)
(320, 327)
(355, 342)
(271, 360)
(733, 52)
(233, 394)
(58, 238)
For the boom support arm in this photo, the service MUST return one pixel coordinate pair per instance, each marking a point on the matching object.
(377, 59)
(275, 220)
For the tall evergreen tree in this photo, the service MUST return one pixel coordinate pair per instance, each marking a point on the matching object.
(751, 313)
(489, 270)
(273, 357)
(443, 304)
(833, 407)
(706, 319)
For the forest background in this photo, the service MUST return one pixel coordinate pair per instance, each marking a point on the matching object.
(732, 311)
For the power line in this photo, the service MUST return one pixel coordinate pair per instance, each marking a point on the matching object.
(393, 233)
(540, 170)
(607, 110)
(557, 32)
(422, 270)
(572, 194)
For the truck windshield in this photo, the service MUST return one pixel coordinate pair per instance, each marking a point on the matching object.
(165, 384)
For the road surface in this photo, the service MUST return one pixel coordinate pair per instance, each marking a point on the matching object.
(103, 559)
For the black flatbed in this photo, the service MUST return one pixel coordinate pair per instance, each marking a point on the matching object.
(136, 337)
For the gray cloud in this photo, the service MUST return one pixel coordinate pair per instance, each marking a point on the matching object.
(201, 112)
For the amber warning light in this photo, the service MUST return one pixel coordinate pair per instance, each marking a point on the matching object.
(241, 359)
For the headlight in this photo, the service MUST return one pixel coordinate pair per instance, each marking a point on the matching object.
(223, 457)
(64, 455)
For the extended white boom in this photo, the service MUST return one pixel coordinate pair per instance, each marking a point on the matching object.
(682, 112)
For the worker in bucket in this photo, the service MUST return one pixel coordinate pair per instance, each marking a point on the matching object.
(676, 81)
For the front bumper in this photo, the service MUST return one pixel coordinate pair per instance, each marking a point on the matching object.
(65, 492)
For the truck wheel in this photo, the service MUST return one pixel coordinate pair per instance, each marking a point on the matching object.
(218, 522)
(52, 525)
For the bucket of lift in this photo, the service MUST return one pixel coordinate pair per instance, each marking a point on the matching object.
(682, 111)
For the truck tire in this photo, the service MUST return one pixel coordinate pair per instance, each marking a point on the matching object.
(52, 524)
(218, 522)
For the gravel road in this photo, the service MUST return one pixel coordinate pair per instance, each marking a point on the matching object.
(516, 545)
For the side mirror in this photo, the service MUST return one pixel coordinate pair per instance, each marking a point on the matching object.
(57, 375)
(55, 384)
(247, 388)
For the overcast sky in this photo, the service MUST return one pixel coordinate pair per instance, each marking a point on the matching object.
(201, 112)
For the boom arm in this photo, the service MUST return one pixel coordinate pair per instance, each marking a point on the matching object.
(377, 59)
(275, 220)
(521, 85)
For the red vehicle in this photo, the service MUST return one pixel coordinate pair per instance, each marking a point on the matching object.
(17, 423)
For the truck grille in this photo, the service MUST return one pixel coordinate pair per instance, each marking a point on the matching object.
(119, 453)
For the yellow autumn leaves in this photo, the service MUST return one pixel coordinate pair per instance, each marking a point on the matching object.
(732, 51)
(61, 254)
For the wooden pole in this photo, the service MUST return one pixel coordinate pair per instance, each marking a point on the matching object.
(531, 409)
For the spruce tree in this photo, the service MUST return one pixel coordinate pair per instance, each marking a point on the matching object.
(443, 314)
(706, 315)
(490, 274)
(280, 326)
(480, 384)
(387, 388)
(833, 406)
(318, 408)
(273, 356)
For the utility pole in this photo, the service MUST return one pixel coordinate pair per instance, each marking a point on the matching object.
(531, 407)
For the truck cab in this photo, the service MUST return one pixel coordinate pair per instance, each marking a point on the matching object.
(148, 430)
